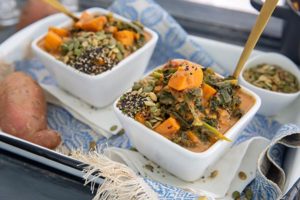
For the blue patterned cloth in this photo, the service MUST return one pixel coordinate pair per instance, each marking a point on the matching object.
(266, 185)
(173, 43)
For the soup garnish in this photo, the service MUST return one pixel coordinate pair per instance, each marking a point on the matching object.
(188, 104)
(272, 77)
(94, 44)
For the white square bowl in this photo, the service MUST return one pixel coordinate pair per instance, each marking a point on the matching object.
(179, 161)
(102, 89)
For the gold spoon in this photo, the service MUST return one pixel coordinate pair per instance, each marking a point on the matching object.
(260, 24)
(58, 6)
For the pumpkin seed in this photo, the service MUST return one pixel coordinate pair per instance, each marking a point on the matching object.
(272, 77)
(92, 146)
(136, 86)
(214, 173)
(153, 121)
(248, 194)
(242, 175)
(148, 88)
(149, 103)
(148, 124)
(236, 195)
(113, 128)
(121, 132)
(153, 96)
(156, 124)
(158, 118)
(140, 90)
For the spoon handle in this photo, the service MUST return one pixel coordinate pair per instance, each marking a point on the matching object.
(58, 6)
(260, 24)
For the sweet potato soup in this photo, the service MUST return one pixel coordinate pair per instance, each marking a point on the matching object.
(186, 103)
(94, 44)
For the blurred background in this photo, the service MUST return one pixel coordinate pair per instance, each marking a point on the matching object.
(222, 20)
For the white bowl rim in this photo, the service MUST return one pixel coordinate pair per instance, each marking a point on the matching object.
(183, 150)
(122, 63)
(281, 56)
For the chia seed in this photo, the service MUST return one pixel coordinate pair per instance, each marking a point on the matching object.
(132, 103)
(95, 61)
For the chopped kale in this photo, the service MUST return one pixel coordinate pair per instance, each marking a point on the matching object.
(166, 97)
(198, 117)
(211, 121)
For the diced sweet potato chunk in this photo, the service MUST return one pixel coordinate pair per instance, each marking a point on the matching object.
(52, 41)
(125, 37)
(208, 91)
(85, 16)
(112, 29)
(95, 24)
(89, 23)
(59, 31)
(186, 77)
(140, 118)
(193, 137)
(168, 128)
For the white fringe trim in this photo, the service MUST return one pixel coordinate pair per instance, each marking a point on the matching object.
(120, 182)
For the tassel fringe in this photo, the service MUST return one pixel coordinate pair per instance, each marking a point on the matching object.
(120, 182)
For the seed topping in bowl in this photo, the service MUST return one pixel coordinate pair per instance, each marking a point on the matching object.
(95, 60)
(94, 44)
(272, 77)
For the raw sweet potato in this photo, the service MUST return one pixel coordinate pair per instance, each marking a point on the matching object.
(42, 138)
(23, 110)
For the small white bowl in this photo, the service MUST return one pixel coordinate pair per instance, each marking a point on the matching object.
(181, 162)
(271, 102)
(99, 90)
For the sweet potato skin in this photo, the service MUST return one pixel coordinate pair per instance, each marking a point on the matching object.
(46, 138)
(23, 107)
